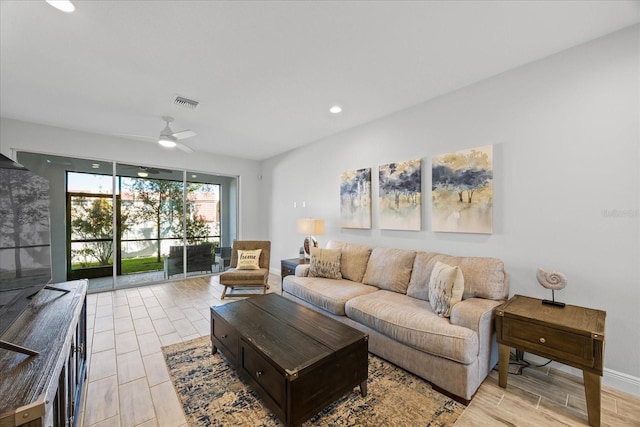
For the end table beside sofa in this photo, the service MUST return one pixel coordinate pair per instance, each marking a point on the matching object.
(571, 335)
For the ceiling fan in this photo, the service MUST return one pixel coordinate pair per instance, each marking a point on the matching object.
(168, 138)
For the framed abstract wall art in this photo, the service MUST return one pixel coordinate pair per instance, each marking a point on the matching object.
(355, 199)
(462, 191)
(400, 195)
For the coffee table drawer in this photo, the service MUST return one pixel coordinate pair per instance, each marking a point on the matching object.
(263, 373)
(226, 336)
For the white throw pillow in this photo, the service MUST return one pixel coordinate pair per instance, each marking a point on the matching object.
(446, 286)
(248, 260)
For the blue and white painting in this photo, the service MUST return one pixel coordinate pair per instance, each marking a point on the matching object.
(462, 191)
(400, 195)
(355, 199)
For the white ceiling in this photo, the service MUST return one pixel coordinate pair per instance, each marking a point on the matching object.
(267, 72)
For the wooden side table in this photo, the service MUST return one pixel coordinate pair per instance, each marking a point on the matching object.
(571, 335)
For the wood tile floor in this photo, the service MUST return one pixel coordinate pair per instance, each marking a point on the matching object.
(128, 384)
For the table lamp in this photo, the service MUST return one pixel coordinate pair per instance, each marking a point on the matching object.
(311, 227)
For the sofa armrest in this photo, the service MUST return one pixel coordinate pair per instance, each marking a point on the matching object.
(472, 312)
(302, 270)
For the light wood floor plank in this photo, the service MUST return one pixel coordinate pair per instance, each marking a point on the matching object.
(136, 405)
(111, 422)
(102, 400)
(149, 343)
(103, 365)
(130, 367)
(155, 368)
(123, 324)
(167, 405)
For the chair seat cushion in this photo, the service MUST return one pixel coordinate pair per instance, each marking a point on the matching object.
(245, 277)
(412, 322)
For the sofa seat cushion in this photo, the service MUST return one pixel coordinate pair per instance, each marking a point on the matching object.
(412, 322)
(247, 277)
(327, 294)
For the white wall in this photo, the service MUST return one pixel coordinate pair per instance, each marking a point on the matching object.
(566, 152)
(25, 136)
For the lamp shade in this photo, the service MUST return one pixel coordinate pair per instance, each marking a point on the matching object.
(311, 226)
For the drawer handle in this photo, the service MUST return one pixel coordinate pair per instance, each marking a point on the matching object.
(542, 340)
(259, 373)
(224, 336)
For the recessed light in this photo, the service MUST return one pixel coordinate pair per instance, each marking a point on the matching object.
(63, 5)
(335, 109)
(194, 176)
(95, 165)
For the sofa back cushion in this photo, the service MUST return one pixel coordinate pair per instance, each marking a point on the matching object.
(389, 269)
(353, 261)
(483, 277)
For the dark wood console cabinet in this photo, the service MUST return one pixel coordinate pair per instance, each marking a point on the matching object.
(46, 389)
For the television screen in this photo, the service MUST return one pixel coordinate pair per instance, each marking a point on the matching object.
(25, 248)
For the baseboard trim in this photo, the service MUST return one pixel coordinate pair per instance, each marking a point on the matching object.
(614, 379)
(620, 381)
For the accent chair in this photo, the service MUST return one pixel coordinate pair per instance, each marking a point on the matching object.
(247, 279)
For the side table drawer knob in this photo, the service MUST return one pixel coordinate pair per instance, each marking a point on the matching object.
(542, 340)
(258, 374)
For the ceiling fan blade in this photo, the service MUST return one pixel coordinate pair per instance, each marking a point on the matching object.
(183, 134)
(184, 148)
(138, 137)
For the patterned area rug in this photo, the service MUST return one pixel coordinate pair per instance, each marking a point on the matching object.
(213, 394)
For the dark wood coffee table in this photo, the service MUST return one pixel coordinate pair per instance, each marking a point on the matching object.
(296, 359)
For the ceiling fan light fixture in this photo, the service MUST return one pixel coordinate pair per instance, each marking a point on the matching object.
(63, 5)
(143, 174)
(167, 141)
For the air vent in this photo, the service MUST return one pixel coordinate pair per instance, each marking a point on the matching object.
(187, 103)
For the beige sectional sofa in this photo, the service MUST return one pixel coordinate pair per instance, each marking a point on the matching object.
(384, 292)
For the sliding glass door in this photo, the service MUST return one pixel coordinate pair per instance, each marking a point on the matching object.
(89, 225)
(149, 221)
(202, 213)
(128, 225)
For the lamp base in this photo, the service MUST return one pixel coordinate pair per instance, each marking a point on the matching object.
(309, 242)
